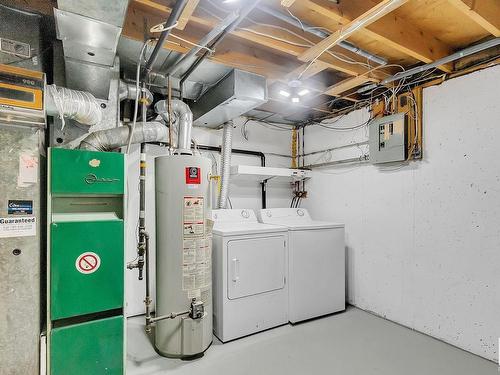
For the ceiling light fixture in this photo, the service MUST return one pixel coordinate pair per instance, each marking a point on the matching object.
(303, 92)
(284, 93)
(295, 99)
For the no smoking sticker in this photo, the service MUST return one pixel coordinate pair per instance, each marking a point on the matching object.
(87, 263)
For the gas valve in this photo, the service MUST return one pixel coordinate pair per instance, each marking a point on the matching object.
(197, 309)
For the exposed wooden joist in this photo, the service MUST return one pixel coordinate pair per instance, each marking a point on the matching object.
(315, 68)
(394, 32)
(345, 85)
(485, 13)
(256, 35)
(378, 11)
(187, 13)
(239, 56)
(287, 3)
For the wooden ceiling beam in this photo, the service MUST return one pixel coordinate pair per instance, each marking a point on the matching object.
(486, 13)
(315, 68)
(255, 34)
(345, 85)
(187, 13)
(393, 31)
(370, 16)
(241, 56)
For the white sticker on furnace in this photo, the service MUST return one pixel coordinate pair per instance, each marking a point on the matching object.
(22, 226)
(88, 263)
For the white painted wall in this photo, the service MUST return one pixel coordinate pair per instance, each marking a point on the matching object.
(242, 195)
(423, 240)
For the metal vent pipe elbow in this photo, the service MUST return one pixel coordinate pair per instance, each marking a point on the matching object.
(183, 117)
(129, 91)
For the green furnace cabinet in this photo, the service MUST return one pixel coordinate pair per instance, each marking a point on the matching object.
(85, 322)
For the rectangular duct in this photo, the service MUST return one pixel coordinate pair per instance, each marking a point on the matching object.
(236, 94)
(90, 31)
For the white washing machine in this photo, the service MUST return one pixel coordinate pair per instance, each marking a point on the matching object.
(316, 263)
(249, 274)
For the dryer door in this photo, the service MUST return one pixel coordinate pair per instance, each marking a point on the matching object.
(255, 265)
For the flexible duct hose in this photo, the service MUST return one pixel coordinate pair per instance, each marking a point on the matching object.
(110, 139)
(73, 104)
(227, 144)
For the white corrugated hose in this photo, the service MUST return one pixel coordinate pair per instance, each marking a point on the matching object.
(73, 104)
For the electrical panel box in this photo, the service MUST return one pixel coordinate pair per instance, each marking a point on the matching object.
(388, 139)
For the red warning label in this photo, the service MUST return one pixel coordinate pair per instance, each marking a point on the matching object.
(193, 175)
(87, 263)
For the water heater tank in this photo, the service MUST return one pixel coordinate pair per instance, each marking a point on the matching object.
(183, 254)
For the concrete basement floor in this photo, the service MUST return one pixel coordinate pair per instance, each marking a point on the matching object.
(349, 343)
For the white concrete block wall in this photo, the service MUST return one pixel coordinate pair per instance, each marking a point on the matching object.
(423, 240)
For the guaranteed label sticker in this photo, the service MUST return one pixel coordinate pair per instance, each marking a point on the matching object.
(21, 226)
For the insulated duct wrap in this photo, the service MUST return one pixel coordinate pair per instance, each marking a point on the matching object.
(226, 149)
(73, 104)
(183, 118)
(110, 139)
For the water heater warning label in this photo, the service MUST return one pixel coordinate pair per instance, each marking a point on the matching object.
(193, 210)
(197, 248)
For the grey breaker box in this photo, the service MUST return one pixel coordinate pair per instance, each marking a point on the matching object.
(388, 139)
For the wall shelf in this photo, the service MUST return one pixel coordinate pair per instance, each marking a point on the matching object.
(259, 174)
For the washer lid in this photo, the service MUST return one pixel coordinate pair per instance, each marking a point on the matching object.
(294, 219)
(312, 225)
(231, 229)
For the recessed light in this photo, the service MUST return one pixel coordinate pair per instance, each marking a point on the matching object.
(284, 93)
(303, 92)
(295, 100)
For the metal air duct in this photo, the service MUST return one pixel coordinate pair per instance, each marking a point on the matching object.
(236, 94)
(110, 139)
